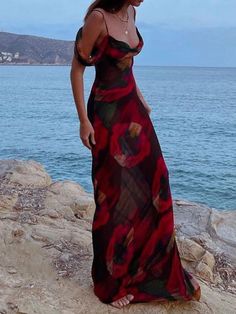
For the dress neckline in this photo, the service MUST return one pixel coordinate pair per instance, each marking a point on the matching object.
(125, 43)
(108, 36)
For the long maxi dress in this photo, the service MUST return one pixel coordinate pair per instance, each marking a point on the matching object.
(133, 234)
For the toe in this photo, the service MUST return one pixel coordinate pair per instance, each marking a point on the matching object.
(130, 297)
(121, 302)
(116, 304)
(125, 301)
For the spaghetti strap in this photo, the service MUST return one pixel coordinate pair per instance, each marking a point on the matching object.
(97, 9)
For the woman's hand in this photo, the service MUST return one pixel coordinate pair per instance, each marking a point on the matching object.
(87, 133)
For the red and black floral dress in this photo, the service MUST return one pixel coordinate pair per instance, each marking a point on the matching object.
(133, 232)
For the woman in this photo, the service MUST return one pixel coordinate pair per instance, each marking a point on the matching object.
(136, 258)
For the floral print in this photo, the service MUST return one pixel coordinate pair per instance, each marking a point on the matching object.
(133, 233)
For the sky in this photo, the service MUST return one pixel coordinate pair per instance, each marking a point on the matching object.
(175, 32)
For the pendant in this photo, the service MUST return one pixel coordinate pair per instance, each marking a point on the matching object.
(126, 32)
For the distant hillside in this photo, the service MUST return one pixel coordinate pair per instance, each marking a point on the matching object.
(27, 49)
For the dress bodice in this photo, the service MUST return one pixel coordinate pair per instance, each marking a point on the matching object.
(113, 61)
(107, 44)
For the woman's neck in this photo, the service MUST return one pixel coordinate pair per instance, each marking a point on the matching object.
(123, 11)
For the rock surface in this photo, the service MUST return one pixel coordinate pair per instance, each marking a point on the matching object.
(46, 248)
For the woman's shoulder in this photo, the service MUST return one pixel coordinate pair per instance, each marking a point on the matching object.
(98, 11)
(95, 16)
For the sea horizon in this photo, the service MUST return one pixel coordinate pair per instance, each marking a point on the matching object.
(135, 65)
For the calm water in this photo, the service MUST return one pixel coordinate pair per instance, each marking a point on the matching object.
(193, 112)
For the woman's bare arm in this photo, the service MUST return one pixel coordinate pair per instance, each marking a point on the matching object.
(77, 84)
(92, 28)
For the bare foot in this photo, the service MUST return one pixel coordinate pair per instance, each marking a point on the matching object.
(123, 301)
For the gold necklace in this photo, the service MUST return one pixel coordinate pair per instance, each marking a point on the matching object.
(122, 19)
(125, 21)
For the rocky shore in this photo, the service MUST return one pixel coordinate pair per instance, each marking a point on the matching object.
(46, 248)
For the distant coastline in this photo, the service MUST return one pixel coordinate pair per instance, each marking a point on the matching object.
(34, 64)
(18, 49)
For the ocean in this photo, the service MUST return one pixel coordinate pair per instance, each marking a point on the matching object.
(193, 113)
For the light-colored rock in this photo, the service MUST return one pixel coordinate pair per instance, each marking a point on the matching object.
(70, 199)
(24, 172)
(209, 227)
(46, 249)
(222, 227)
(204, 271)
(190, 250)
(208, 259)
(197, 259)
(7, 202)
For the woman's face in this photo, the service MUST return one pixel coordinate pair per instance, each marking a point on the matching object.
(135, 3)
